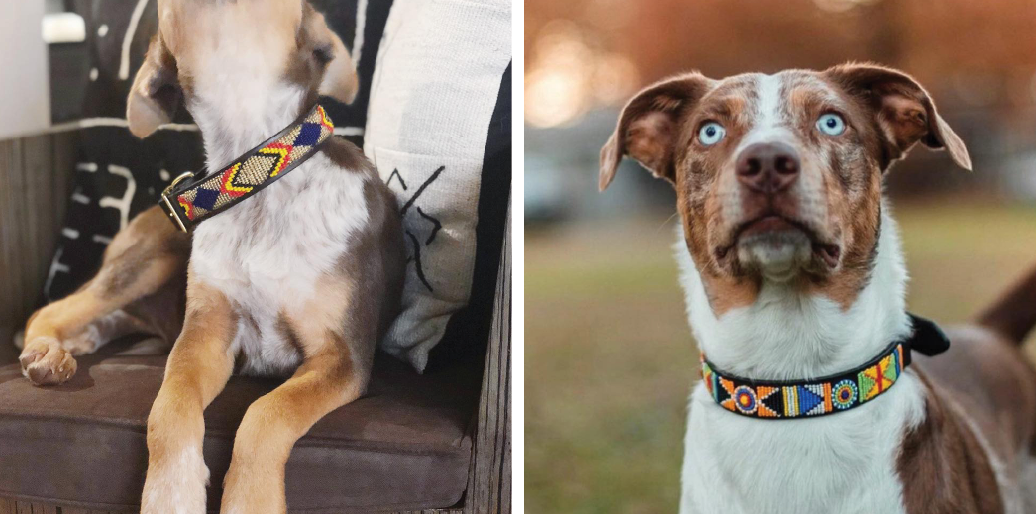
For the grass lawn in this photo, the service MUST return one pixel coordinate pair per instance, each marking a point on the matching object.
(610, 359)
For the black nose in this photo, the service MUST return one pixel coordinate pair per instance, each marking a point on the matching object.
(768, 167)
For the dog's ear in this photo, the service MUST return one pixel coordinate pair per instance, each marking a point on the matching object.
(339, 81)
(649, 126)
(903, 111)
(155, 94)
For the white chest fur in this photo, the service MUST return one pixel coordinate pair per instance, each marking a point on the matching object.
(841, 463)
(268, 253)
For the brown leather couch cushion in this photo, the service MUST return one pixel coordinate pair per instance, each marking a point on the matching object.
(405, 445)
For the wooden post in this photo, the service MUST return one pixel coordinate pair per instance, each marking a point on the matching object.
(35, 176)
(489, 483)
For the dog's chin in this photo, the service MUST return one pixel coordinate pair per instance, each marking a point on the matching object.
(777, 256)
(777, 249)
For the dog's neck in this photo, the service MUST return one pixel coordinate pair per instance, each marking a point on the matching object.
(787, 334)
(235, 115)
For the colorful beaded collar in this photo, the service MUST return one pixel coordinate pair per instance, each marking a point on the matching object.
(826, 395)
(189, 200)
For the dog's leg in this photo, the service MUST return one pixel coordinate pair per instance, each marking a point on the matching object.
(255, 482)
(139, 261)
(198, 368)
(102, 331)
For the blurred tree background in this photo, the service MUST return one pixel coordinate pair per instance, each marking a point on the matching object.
(610, 360)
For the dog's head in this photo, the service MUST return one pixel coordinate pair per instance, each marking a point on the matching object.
(250, 47)
(778, 177)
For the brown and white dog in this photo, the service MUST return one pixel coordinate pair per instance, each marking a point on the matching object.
(792, 269)
(299, 281)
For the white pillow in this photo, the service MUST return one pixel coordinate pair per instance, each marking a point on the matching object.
(435, 85)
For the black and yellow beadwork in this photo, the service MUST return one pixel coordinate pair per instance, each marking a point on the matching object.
(827, 395)
(189, 203)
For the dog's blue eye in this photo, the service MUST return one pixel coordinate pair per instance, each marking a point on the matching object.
(831, 124)
(711, 133)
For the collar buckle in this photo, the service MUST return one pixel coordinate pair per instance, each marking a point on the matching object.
(168, 205)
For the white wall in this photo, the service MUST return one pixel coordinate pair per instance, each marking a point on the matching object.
(24, 87)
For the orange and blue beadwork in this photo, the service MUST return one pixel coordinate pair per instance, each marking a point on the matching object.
(806, 398)
(266, 163)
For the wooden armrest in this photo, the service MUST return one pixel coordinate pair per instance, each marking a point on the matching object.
(489, 482)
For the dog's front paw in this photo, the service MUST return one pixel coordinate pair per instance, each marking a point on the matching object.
(45, 362)
(176, 486)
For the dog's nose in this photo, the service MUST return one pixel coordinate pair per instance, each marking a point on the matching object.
(768, 167)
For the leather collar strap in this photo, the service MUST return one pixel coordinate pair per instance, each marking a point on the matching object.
(189, 200)
(827, 395)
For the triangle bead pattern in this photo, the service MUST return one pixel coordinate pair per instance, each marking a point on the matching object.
(798, 399)
(258, 167)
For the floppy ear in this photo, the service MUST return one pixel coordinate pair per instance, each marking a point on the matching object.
(155, 94)
(340, 81)
(649, 126)
(904, 112)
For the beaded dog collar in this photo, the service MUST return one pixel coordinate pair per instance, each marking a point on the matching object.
(826, 395)
(189, 201)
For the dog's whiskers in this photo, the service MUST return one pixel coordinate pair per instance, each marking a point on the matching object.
(666, 222)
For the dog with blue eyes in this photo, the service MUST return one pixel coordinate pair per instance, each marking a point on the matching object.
(820, 393)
